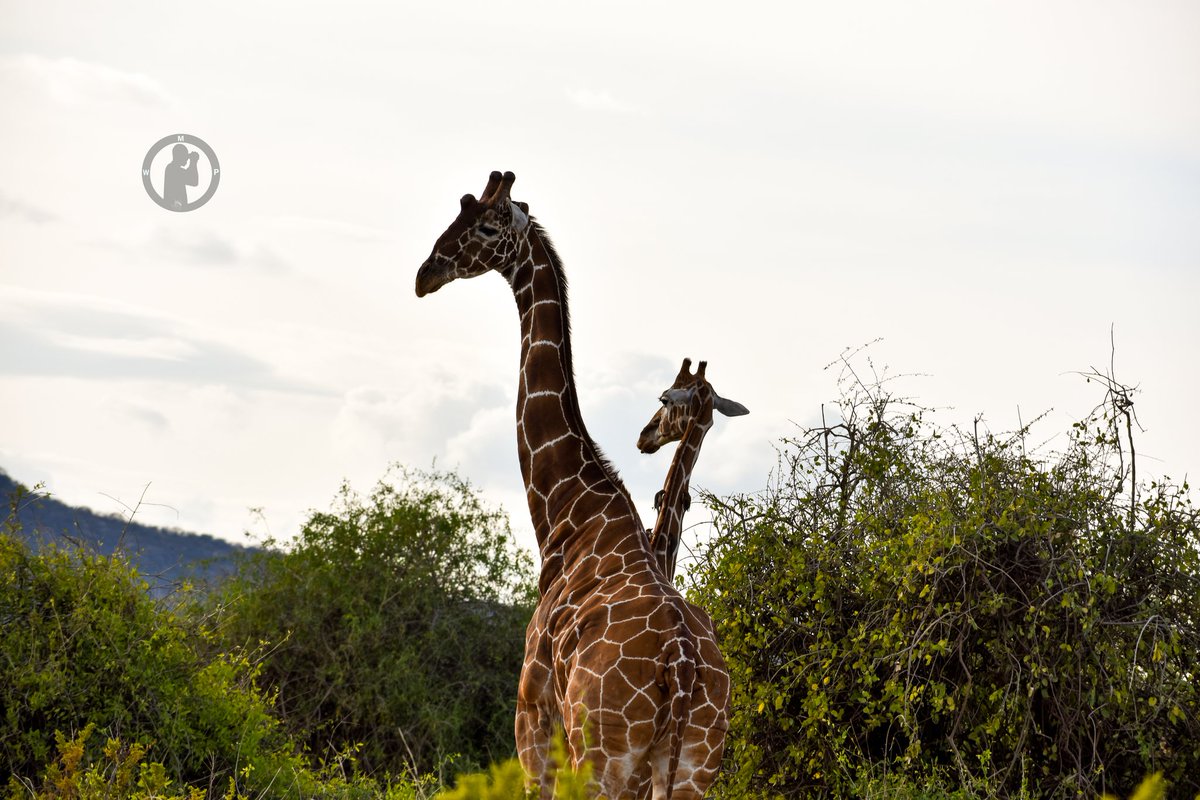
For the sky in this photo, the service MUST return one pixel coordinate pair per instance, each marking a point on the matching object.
(996, 192)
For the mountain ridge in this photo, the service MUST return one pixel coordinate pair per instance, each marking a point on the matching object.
(164, 557)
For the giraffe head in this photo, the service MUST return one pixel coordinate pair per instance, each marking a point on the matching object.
(486, 235)
(689, 399)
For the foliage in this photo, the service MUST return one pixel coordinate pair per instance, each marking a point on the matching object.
(506, 781)
(896, 787)
(85, 646)
(122, 772)
(1153, 788)
(942, 603)
(395, 625)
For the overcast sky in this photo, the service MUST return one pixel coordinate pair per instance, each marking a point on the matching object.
(986, 186)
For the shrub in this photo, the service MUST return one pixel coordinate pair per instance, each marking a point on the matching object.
(85, 647)
(940, 603)
(506, 781)
(396, 625)
(122, 772)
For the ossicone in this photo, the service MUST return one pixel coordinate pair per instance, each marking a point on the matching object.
(685, 370)
(493, 182)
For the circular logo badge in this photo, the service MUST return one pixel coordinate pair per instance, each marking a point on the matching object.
(181, 172)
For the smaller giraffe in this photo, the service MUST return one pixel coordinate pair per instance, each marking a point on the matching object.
(686, 416)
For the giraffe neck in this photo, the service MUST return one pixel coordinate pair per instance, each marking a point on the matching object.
(668, 527)
(559, 460)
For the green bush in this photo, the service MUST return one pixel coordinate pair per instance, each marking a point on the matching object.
(506, 781)
(85, 646)
(395, 626)
(122, 772)
(947, 607)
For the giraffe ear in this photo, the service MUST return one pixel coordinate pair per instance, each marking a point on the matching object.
(730, 408)
(524, 207)
(520, 216)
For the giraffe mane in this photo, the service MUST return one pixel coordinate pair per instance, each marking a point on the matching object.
(590, 443)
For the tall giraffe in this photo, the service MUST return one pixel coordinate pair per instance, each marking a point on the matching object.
(613, 654)
(686, 416)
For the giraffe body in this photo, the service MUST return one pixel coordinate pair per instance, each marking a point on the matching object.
(613, 654)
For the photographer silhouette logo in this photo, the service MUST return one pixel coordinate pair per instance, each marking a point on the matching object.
(175, 165)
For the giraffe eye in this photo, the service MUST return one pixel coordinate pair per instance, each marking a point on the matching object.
(663, 399)
(488, 231)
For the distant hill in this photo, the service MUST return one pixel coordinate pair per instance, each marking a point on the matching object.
(163, 557)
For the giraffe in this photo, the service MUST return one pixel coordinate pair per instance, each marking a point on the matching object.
(686, 416)
(614, 655)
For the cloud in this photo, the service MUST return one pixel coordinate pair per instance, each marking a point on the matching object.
(599, 100)
(486, 447)
(206, 248)
(154, 421)
(74, 83)
(619, 398)
(417, 422)
(334, 227)
(198, 247)
(13, 208)
(52, 334)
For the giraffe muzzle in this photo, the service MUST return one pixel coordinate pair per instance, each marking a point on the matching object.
(648, 441)
(431, 277)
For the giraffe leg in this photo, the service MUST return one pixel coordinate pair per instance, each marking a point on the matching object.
(660, 768)
(702, 748)
(698, 764)
(620, 769)
(533, 748)
(619, 772)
